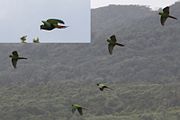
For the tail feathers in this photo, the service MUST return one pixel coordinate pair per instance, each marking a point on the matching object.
(84, 108)
(172, 17)
(119, 44)
(22, 58)
(110, 88)
(61, 26)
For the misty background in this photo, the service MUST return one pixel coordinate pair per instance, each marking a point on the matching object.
(144, 74)
(153, 4)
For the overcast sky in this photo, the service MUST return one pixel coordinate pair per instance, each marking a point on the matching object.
(23, 17)
(154, 4)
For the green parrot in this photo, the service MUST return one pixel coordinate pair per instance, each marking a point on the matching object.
(112, 43)
(23, 39)
(101, 86)
(36, 40)
(164, 15)
(78, 108)
(15, 57)
(51, 24)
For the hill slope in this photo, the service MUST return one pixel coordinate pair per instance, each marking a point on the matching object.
(144, 74)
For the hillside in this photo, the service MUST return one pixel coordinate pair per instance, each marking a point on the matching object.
(144, 74)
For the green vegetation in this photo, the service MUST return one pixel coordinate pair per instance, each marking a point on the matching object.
(52, 101)
(144, 74)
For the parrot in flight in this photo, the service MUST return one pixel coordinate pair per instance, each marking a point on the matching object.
(164, 15)
(51, 24)
(101, 86)
(78, 108)
(15, 57)
(23, 39)
(112, 43)
(36, 40)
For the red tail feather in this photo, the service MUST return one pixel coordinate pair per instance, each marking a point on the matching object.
(61, 26)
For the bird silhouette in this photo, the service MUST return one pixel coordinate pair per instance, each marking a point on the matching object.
(78, 108)
(51, 24)
(36, 40)
(15, 57)
(101, 86)
(112, 43)
(23, 39)
(164, 15)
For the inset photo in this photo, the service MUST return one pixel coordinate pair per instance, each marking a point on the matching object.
(45, 21)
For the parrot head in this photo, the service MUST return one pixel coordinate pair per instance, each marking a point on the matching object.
(160, 11)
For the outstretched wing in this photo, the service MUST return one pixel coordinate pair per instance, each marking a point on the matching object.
(163, 20)
(15, 53)
(80, 111)
(106, 87)
(113, 38)
(47, 24)
(119, 44)
(23, 37)
(55, 21)
(101, 89)
(110, 48)
(36, 40)
(73, 110)
(166, 10)
(14, 62)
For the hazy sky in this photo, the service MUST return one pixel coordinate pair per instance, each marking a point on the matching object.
(155, 4)
(23, 17)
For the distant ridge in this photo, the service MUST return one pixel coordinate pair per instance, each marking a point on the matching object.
(151, 53)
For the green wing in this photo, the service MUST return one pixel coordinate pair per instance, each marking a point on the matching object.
(14, 62)
(163, 20)
(36, 40)
(23, 37)
(110, 48)
(166, 10)
(55, 21)
(80, 111)
(113, 38)
(47, 24)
